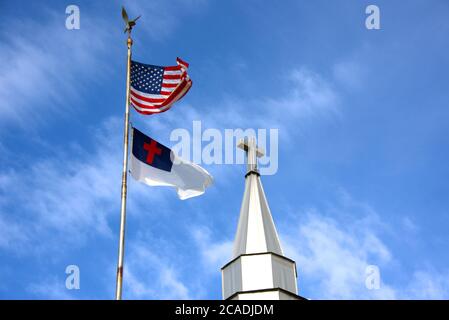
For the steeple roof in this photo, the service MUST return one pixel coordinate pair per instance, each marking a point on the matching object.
(256, 232)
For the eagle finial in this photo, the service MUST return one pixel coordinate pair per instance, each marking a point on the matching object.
(129, 24)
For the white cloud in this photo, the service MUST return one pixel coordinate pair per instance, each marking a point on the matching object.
(12, 233)
(333, 258)
(349, 73)
(150, 276)
(306, 96)
(47, 65)
(215, 254)
(333, 249)
(161, 18)
(427, 285)
(50, 288)
(409, 224)
(310, 95)
(67, 198)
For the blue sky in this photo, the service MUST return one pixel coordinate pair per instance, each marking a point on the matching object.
(363, 119)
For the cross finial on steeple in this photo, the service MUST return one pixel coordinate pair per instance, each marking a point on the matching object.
(248, 144)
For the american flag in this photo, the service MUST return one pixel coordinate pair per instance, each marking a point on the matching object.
(154, 89)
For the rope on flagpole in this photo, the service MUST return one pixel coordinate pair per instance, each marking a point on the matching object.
(121, 252)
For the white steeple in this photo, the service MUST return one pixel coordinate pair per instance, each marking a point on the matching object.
(258, 269)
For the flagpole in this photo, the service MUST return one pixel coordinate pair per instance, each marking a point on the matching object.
(121, 250)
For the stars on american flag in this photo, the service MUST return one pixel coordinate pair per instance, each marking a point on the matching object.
(146, 78)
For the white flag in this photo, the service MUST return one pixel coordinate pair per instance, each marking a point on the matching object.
(156, 165)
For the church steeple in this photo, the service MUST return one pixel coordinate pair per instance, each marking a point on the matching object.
(256, 231)
(258, 269)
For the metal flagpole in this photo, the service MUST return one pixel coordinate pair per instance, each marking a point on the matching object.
(121, 250)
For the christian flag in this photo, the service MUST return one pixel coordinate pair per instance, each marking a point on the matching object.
(156, 165)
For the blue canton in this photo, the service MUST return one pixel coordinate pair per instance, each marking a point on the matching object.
(146, 78)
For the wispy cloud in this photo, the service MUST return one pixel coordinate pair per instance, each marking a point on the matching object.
(161, 18)
(12, 233)
(150, 276)
(47, 66)
(307, 97)
(349, 73)
(214, 254)
(50, 288)
(427, 284)
(334, 259)
(332, 253)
